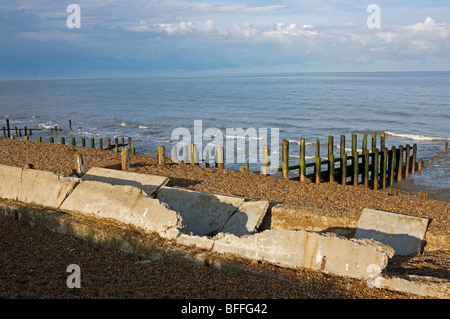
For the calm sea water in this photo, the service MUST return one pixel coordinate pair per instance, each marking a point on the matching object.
(411, 107)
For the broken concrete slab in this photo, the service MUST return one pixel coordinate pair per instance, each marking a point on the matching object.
(327, 253)
(202, 213)
(294, 217)
(404, 233)
(127, 204)
(149, 183)
(247, 219)
(10, 179)
(45, 188)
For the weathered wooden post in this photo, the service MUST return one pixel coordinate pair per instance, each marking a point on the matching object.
(92, 143)
(63, 140)
(73, 141)
(375, 168)
(446, 147)
(414, 156)
(302, 160)
(374, 141)
(331, 158)
(382, 140)
(100, 142)
(83, 142)
(26, 138)
(400, 164)
(419, 168)
(318, 160)
(161, 155)
(266, 160)
(285, 159)
(246, 167)
(17, 135)
(26, 131)
(366, 167)
(70, 125)
(355, 162)
(220, 157)
(125, 160)
(8, 128)
(133, 150)
(80, 166)
(52, 140)
(408, 159)
(109, 143)
(344, 168)
(342, 145)
(116, 143)
(384, 167)
(392, 165)
(39, 138)
(364, 142)
(129, 143)
(4, 132)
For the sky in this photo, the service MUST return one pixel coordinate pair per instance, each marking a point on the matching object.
(151, 37)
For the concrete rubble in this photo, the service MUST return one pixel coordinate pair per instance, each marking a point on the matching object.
(217, 223)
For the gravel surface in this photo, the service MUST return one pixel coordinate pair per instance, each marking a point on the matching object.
(31, 269)
(34, 264)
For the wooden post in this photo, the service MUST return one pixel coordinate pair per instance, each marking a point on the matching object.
(73, 141)
(374, 141)
(331, 158)
(83, 142)
(342, 145)
(302, 160)
(26, 131)
(70, 125)
(8, 128)
(80, 166)
(26, 138)
(366, 167)
(419, 168)
(161, 155)
(414, 156)
(317, 167)
(129, 143)
(382, 140)
(125, 159)
(408, 159)
(133, 150)
(92, 143)
(4, 132)
(364, 143)
(392, 165)
(246, 167)
(109, 143)
(39, 138)
(56, 129)
(63, 140)
(400, 164)
(344, 168)
(52, 140)
(116, 143)
(446, 147)
(220, 157)
(285, 159)
(16, 132)
(355, 162)
(384, 167)
(375, 168)
(101, 144)
(266, 160)
(193, 152)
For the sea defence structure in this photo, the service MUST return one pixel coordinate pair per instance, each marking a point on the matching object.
(216, 223)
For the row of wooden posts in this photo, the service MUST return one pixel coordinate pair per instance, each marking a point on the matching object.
(376, 168)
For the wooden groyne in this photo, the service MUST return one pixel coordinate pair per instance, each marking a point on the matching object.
(104, 144)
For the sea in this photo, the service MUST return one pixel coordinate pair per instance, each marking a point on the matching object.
(245, 112)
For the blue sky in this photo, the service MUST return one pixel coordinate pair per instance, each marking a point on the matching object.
(147, 37)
